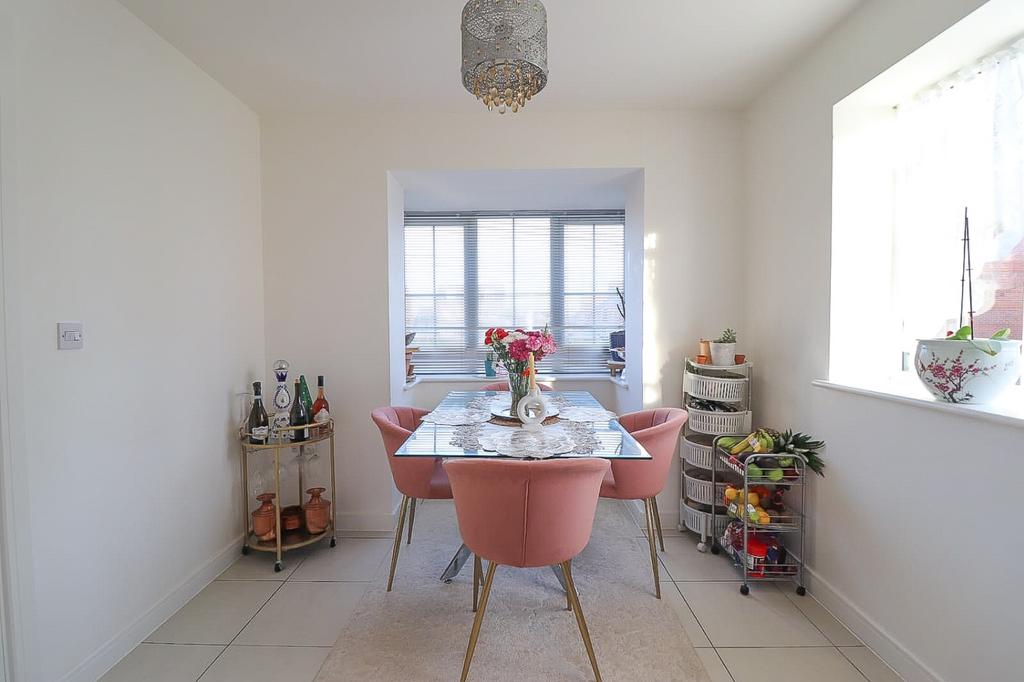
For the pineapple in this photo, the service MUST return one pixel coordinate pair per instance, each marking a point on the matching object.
(804, 445)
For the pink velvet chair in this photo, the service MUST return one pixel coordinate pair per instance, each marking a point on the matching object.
(415, 477)
(658, 432)
(526, 514)
(503, 386)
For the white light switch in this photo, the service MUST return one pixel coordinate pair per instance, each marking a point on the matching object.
(69, 335)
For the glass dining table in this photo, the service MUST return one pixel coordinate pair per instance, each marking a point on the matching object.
(604, 437)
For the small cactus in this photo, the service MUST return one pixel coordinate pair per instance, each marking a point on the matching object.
(728, 336)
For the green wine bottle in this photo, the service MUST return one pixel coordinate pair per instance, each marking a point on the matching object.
(307, 400)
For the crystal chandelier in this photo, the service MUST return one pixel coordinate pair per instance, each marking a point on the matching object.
(504, 51)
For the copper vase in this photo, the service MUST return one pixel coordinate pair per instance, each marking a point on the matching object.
(264, 521)
(317, 511)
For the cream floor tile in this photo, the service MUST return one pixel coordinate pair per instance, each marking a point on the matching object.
(352, 559)
(217, 614)
(163, 663)
(683, 562)
(819, 615)
(686, 618)
(267, 664)
(870, 665)
(764, 618)
(260, 566)
(713, 664)
(304, 614)
(815, 664)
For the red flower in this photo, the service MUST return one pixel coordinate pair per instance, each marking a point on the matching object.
(500, 333)
(526, 372)
(487, 336)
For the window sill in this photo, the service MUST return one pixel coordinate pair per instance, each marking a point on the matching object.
(907, 390)
(471, 378)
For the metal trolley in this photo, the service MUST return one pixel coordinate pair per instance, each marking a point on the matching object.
(786, 525)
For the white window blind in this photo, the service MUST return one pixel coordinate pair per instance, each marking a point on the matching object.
(465, 272)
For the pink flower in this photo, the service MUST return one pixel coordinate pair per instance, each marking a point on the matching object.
(957, 371)
(938, 370)
(518, 351)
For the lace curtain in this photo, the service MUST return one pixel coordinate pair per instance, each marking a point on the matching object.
(960, 144)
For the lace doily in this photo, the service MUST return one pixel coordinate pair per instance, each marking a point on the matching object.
(583, 436)
(587, 414)
(520, 443)
(457, 416)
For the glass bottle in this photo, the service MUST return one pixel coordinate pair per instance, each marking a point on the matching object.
(258, 425)
(299, 416)
(321, 404)
(307, 401)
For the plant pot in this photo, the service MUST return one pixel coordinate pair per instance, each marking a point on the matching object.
(959, 372)
(489, 368)
(723, 354)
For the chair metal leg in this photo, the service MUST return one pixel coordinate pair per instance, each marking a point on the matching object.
(478, 574)
(398, 540)
(657, 522)
(565, 576)
(574, 601)
(475, 632)
(650, 541)
(412, 520)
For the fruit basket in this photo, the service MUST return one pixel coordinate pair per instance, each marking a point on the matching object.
(718, 423)
(720, 389)
(697, 450)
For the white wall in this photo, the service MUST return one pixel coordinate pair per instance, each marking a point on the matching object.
(908, 540)
(326, 208)
(131, 202)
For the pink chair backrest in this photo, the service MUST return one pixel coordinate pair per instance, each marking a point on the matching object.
(503, 386)
(526, 514)
(396, 424)
(658, 432)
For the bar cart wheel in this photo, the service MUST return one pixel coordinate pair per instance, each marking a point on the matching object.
(744, 590)
(801, 590)
(277, 567)
(245, 550)
(702, 547)
(334, 542)
(715, 549)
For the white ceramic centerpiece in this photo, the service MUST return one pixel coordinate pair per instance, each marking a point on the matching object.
(959, 369)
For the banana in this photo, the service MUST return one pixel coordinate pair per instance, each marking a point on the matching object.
(747, 443)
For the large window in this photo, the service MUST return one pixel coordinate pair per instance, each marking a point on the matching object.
(465, 272)
(960, 144)
(904, 172)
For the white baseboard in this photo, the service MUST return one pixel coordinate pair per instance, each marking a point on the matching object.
(906, 664)
(357, 524)
(121, 644)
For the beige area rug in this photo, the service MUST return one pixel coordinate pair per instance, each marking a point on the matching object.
(419, 631)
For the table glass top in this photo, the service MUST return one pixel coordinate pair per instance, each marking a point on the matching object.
(605, 439)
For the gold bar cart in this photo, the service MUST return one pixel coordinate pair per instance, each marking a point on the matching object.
(285, 540)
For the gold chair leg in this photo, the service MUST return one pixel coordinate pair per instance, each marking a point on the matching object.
(574, 601)
(650, 541)
(412, 520)
(475, 632)
(398, 540)
(657, 522)
(568, 599)
(478, 574)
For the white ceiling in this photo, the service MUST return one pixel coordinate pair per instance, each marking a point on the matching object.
(485, 190)
(329, 55)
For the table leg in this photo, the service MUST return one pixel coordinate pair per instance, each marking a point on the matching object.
(456, 564)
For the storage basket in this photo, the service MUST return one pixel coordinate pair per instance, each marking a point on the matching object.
(699, 490)
(718, 423)
(697, 450)
(715, 388)
(699, 521)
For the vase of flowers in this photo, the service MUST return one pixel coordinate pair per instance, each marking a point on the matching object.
(512, 349)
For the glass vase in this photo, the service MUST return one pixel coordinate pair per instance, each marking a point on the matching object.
(518, 387)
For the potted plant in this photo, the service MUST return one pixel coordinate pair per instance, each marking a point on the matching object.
(513, 350)
(962, 369)
(617, 340)
(723, 349)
